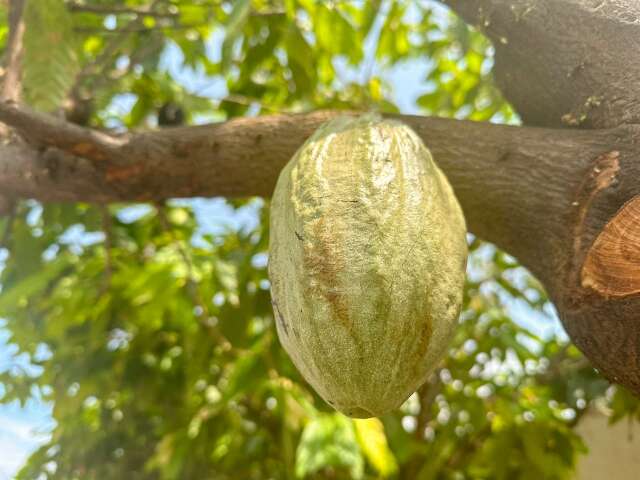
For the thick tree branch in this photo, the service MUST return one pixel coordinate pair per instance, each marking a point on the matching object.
(565, 202)
(497, 171)
(574, 63)
(564, 62)
(531, 191)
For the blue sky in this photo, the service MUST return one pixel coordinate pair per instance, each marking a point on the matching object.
(22, 429)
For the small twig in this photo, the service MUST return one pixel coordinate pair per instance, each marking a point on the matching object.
(47, 130)
(11, 84)
(276, 12)
(15, 47)
(107, 54)
(248, 102)
(107, 225)
(6, 235)
(119, 10)
(147, 12)
(141, 29)
(427, 394)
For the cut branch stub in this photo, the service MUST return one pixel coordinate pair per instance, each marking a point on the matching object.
(612, 266)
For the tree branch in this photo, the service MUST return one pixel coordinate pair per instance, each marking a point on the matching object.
(120, 10)
(526, 189)
(427, 394)
(47, 130)
(551, 197)
(563, 62)
(11, 84)
(6, 234)
(107, 229)
(496, 170)
(141, 29)
(568, 63)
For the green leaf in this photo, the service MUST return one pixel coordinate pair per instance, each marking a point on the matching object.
(4, 24)
(393, 42)
(191, 14)
(235, 23)
(21, 293)
(246, 371)
(373, 442)
(336, 34)
(368, 15)
(300, 55)
(329, 441)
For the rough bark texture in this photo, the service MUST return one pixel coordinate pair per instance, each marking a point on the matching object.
(563, 201)
(564, 62)
(576, 63)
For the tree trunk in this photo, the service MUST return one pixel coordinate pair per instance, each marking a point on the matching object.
(564, 201)
(577, 63)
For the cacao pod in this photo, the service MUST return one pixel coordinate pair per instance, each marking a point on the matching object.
(367, 260)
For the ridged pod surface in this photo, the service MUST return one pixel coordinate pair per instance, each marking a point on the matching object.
(367, 260)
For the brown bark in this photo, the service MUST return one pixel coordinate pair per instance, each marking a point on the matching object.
(564, 62)
(563, 201)
(11, 82)
(11, 87)
(576, 63)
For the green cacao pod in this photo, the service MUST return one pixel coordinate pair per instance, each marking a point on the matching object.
(367, 259)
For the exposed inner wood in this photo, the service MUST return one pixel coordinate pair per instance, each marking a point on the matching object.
(612, 266)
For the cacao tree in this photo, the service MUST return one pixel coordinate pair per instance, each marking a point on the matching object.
(147, 324)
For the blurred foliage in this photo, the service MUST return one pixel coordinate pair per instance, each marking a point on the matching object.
(150, 330)
(50, 62)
